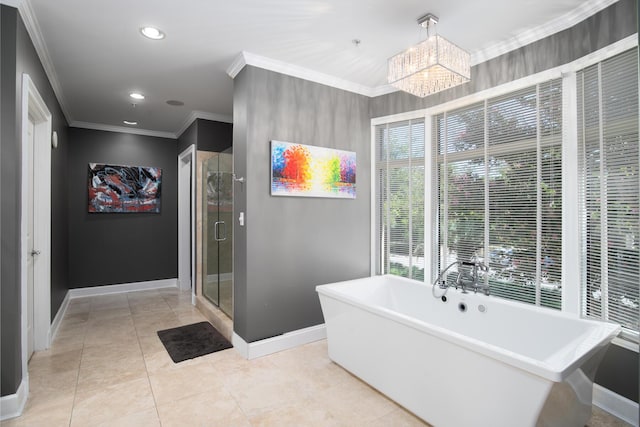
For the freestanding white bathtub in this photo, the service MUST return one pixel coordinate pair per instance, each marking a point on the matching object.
(473, 360)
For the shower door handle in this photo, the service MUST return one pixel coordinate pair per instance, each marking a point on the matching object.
(216, 231)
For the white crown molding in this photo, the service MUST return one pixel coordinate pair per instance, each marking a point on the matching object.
(33, 28)
(248, 58)
(122, 129)
(383, 90)
(12, 3)
(194, 115)
(236, 66)
(560, 23)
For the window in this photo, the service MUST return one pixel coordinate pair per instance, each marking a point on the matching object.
(495, 184)
(499, 166)
(609, 159)
(400, 150)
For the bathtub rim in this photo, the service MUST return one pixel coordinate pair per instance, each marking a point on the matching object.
(556, 372)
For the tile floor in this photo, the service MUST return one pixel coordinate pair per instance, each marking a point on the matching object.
(107, 367)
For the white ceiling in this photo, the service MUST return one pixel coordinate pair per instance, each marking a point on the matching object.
(94, 54)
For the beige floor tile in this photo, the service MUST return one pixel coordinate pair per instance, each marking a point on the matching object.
(150, 344)
(190, 378)
(152, 328)
(99, 338)
(185, 309)
(149, 301)
(109, 302)
(99, 376)
(109, 313)
(45, 409)
(311, 366)
(188, 319)
(213, 408)
(308, 414)
(67, 330)
(67, 343)
(53, 416)
(154, 316)
(46, 362)
(159, 306)
(112, 402)
(176, 301)
(110, 325)
(102, 355)
(158, 361)
(148, 418)
(397, 418)
(79, 305)
(52, 384)
(76, 318)
(355, 402)
(260, 387)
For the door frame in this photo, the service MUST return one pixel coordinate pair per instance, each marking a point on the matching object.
(187, 253)
(33, 105)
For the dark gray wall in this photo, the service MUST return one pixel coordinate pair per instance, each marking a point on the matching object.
(18, 57)
(10, 368)
(107, 249)
(214, 136)
(189, 137)
(291, 244)
(207, 135)
(619, 369)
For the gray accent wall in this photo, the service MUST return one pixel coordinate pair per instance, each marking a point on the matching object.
(214, 136)
(18, 57)
(619, 369)
(207, 135)
(11, 367)
(188, 137)
(291, 244)
(114, 248)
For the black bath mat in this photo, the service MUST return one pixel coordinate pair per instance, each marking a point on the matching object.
(190, 341)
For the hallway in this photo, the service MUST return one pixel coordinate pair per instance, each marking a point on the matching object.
(107, 367)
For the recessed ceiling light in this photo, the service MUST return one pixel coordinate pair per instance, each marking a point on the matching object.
(136, 95)
(130, 122)
(152, 33)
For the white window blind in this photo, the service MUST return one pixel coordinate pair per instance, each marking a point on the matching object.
(500, 173)
(609, 161)
(400, 149)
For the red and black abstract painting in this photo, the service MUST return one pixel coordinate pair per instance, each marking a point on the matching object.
(124, 189)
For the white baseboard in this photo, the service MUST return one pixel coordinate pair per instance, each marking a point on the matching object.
(124, 287)
(11, 406)
(282, 342)
(55, 325)
(613, 403)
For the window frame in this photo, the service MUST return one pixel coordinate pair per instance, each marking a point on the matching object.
(571, 220)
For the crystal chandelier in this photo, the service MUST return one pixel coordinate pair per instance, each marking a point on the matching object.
(432, 65)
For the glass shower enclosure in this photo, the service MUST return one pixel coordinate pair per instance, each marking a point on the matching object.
(217, 231)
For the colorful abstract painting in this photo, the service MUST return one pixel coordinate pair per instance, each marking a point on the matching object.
(309, 171)
(124, 189)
